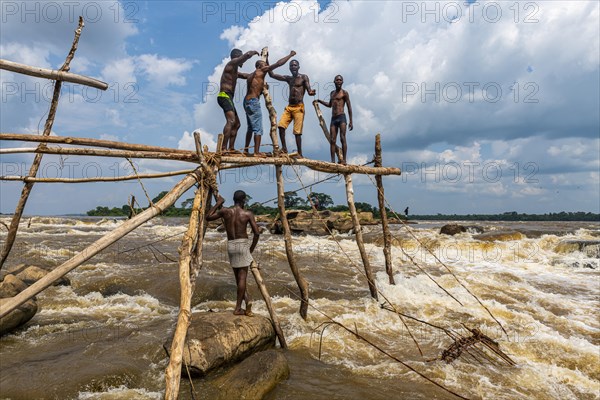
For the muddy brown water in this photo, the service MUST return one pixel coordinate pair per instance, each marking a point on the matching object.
(102, 337)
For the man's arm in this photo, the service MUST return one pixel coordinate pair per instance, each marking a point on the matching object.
(243, 75)
(268, 68)
(328, 104)
(244, 57)
(213, 214)
(310, 91)
(349, 105)
(255, 231)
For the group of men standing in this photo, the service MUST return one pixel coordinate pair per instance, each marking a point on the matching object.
(298, 84)
(237, 219)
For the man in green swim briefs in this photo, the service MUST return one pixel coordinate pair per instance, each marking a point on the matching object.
(225, 97)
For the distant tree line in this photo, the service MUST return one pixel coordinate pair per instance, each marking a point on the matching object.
(322, 201)
(514, 216)
(292, 201)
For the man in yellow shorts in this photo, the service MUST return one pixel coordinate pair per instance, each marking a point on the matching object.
(294, 111)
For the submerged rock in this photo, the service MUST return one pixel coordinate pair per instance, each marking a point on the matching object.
(31, 274)
(254, 377)
(590, 247)
(217, 339)
(500, 236)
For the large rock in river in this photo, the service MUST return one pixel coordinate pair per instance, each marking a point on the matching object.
(10, 287)
(217, 339)
(254, 377)
(321, 223)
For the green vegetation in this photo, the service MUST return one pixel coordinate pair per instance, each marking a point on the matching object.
(513, 216)
(325, 202)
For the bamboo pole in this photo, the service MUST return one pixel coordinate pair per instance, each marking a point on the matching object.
(89, 142)
(98, 179)
(358, 235)
(254, 267)
(387, 236)
(56, 75)
(78, 151)
(269, 104)
(326, 132)
(302, 284)
(322, 166)
(17, 150)
(14, 224)
(230, 162)
(99, 245)
(192, 238)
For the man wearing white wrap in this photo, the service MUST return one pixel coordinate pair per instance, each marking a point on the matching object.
(239, 248)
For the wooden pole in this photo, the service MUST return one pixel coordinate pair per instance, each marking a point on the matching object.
(79, 151)
(14, 224)
(60, 75)
(358, 235)
(325, 130)
(270, 108)
(387, 236)
(192, 239)
(231, 162)
(317, 165)
(89, 142)
(99, 179)
(302, 284)
(100, 245)
(254, 267)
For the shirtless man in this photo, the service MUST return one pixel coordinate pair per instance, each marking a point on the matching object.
(337, 100)
(239, 248)
(225, 97)
(256, 81)
(298, 83)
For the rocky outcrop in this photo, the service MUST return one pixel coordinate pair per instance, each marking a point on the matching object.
(10, 287)
(453, 229)
(499, 236)
(13, 280)
(217, 339)
(321, 223)
(31, 273)
(254, 377)
(591, 248)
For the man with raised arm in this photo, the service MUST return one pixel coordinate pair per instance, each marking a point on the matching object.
(239, 248)
(225, 97)
(256, 81)
(299, 84)
(337, 100)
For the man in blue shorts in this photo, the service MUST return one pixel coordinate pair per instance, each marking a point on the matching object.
(256, 82)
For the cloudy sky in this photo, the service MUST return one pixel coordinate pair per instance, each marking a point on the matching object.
(486, 107)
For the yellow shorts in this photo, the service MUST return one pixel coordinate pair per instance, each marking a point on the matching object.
(295, 113)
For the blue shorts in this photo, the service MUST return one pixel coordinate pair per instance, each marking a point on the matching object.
(253, 116)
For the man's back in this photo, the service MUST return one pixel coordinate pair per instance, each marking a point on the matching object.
(236, 221)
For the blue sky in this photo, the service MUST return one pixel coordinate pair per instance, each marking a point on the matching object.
(487, 107)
